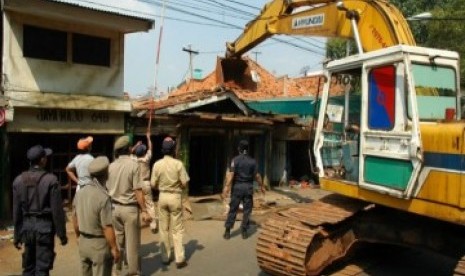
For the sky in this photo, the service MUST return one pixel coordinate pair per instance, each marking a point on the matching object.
(211, 23)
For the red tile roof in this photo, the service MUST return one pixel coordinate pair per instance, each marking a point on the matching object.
(242, 84)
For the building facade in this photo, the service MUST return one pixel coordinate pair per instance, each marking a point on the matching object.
(62, 79)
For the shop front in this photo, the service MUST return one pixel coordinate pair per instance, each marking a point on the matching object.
(58, 129)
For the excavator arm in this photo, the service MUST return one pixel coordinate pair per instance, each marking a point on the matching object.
(378, 22)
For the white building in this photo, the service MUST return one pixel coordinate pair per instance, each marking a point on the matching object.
(62, 73)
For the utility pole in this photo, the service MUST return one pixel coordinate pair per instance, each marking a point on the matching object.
(191, 58)
(256, 53)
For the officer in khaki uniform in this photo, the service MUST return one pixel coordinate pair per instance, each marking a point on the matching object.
(170, 177)
(125, 188)
(92, 222)
(143, 155)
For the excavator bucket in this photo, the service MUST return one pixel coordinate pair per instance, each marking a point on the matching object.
(235, 73)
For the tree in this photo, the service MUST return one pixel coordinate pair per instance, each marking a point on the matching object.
(449, 34)
(440, 34)
(336, 48)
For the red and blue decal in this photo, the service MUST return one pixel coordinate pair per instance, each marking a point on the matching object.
(381, 98)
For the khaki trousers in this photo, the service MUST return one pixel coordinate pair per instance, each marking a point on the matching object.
(170, 212)
(95, 256)
(127, 230)
(149, 204)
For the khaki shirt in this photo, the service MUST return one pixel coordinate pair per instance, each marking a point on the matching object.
(169, 175)
(92, 206)
(123, 179)
(144, 165)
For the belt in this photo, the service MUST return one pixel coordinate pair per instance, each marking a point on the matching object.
(243, 183)
(90, 236)
(171, 191)
(38, 215)
(124, 204)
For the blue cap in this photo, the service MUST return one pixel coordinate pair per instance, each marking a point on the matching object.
(140, 150)
(168, 145)
(36, 152)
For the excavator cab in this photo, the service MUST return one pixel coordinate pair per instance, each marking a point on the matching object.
(368, 132)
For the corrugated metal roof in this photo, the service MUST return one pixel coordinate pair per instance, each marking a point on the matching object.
(130, 8)
(302, 106)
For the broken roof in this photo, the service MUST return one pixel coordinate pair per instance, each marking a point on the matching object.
(265, 86)
(253, 83)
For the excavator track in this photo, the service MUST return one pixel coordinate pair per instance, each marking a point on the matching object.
(284, 242)
(305, 240)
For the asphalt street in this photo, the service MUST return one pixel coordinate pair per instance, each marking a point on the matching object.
(207, 253)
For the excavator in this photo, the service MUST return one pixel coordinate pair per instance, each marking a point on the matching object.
(388, 140)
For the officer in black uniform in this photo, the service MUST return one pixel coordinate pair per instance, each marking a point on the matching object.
(38, 214)
(242, 172)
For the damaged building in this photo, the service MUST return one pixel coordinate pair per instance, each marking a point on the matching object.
(238, 100)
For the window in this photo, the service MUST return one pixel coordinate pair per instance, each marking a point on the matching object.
(91, 50)
(382, 98)
(44, 43)
(436, 90)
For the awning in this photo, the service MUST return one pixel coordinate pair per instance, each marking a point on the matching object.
(302, 106)
(67, 101)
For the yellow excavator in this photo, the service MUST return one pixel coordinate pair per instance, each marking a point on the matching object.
(388, 139)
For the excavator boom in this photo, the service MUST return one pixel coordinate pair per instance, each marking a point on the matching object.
(379, 23)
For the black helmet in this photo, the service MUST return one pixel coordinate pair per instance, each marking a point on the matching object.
(243, 146)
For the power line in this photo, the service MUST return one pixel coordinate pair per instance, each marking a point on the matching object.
(242, 4)
(229, 24)
(209, 9)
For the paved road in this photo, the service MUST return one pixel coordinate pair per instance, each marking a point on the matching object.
(209, 254)
(206, 251)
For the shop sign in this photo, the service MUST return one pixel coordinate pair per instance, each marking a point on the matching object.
(67, 120)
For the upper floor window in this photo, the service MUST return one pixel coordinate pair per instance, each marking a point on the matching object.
(91, 50)
(44, 43)
(51, 44)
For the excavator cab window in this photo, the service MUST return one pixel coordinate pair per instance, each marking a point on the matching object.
(341, 125)
(382, 98)
(436, 91)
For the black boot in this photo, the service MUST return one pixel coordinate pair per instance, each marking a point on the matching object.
(244, 234)
(227, 234)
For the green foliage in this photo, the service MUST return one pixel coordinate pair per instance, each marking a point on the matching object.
(434, 33)
(438, 32)
(336, 48)
(448, 31)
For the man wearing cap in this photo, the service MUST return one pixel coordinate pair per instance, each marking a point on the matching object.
(92, 222)
(125, 189)
(242, 172)
(77, 169)
(143, 155)
(170, 177)
(38, 214)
